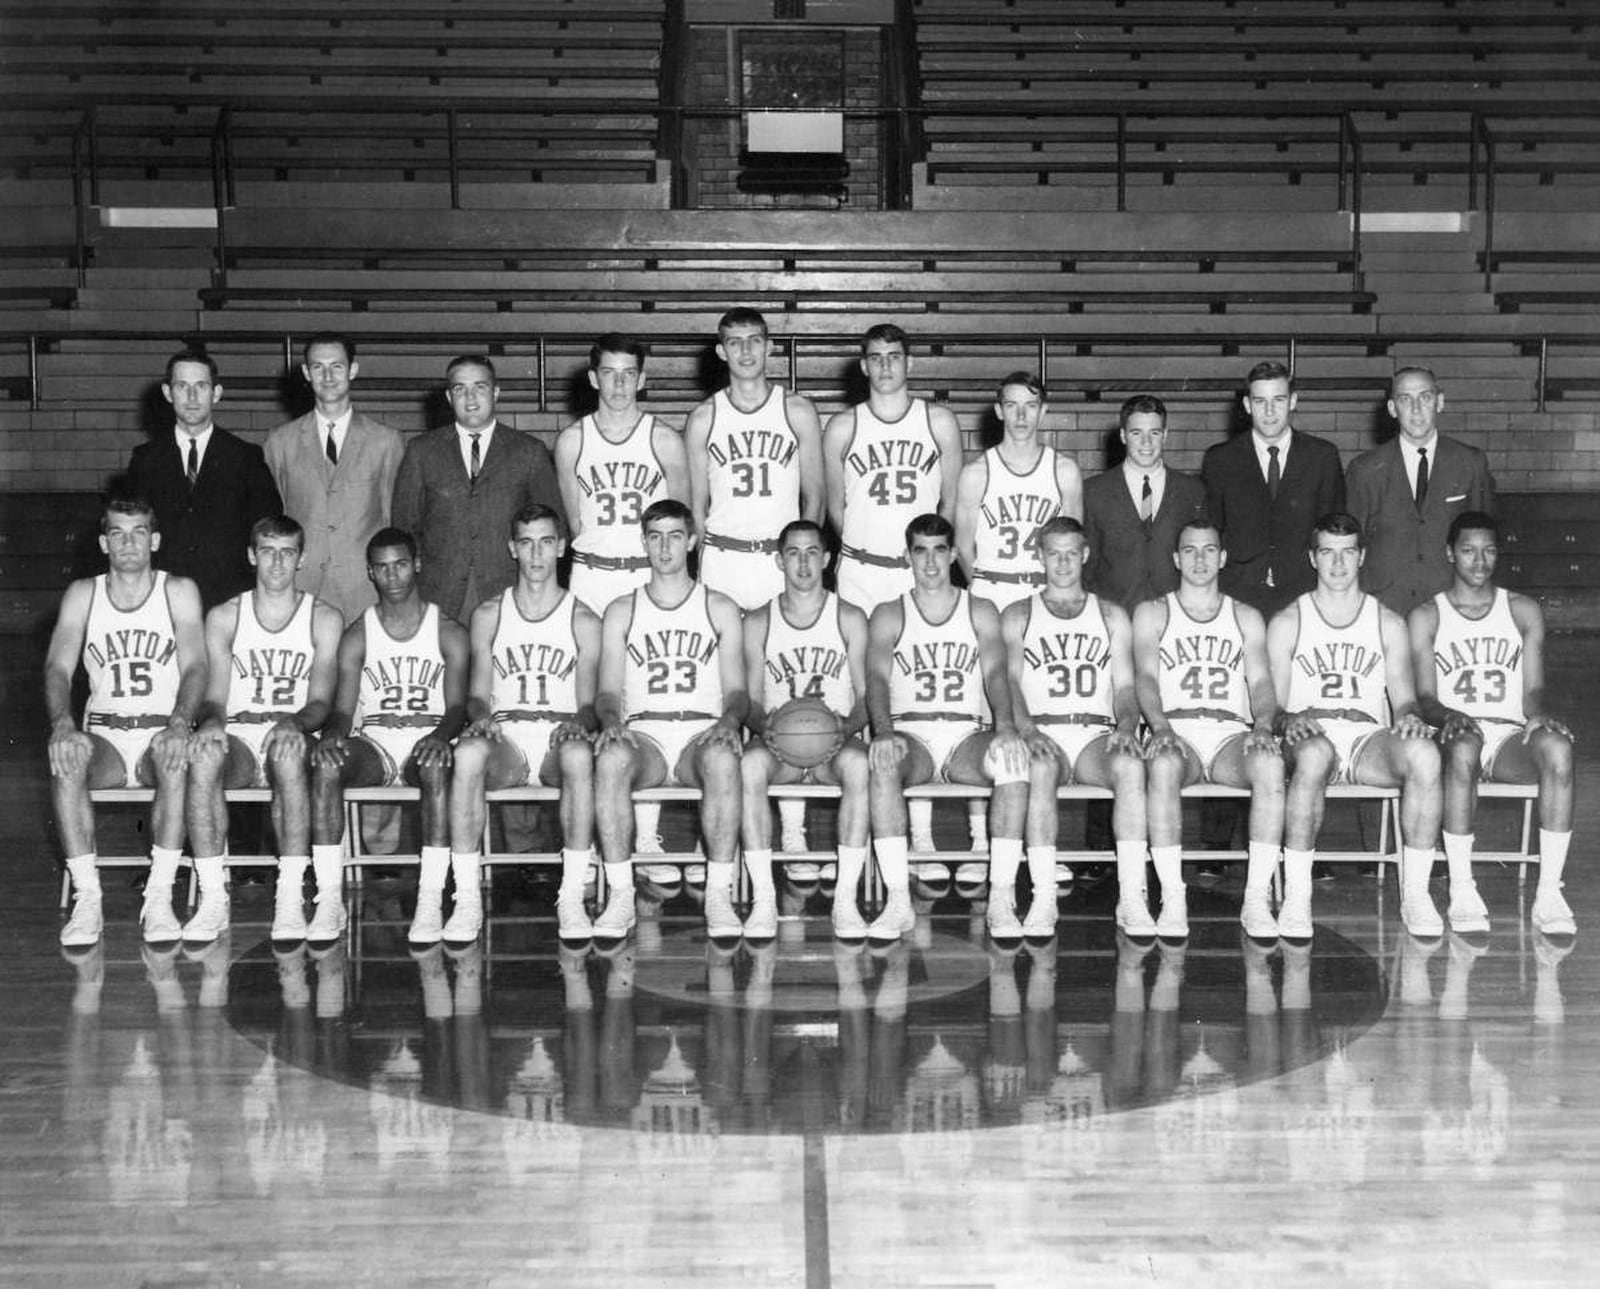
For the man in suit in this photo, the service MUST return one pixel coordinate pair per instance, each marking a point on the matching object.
(208, 487)
(1132, 515)
(336, 469)
(1406, 492)
(459, 487)
(1266, 489)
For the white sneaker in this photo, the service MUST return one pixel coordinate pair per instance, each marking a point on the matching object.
(1255, 916)
(1551, 916)
(848, 924)
(1420, 916)
(427, 924)
(1133, 918)
(466, 920)
(648, 844)
(933, 878)
(288, 912)
(159, 922)
(1001, 915)
(762, 924)
(897, 919)
(1468, 914)
(971, 878)
(722, 921)
(84, 926)
(572, 921)
(1040, 924)
(922, 843)
(662, 874)
(329, 920)
(618, 916)
(694, 875)
(804, 871)
(1173, 923)
(210, 920)
(1063, 874)
(1294, 919)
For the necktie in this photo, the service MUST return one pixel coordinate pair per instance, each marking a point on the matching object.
(476, 460)
(332, 448)
(1146, 503)
(1422, 476)
(192, 470)
(1273, 476)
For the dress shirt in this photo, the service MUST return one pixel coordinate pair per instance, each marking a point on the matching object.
(1265, 459)
(1409, 457)
(201, 441)
(464, 438)
(340, 431)
(1135, 479)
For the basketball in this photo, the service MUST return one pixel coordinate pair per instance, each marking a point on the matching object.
(804, 732)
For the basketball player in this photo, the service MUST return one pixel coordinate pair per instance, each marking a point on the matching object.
(935, 655)
(535, 652)
(1341, 666)
(807, 643)
(401, 700)
(1070, 659)
(271, 656)
(140, 637)
(1200, 662)
(671, 708)
(1004, 494)
(1480, 678)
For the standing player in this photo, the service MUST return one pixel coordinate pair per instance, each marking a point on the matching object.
(1480, 678)
(535, 652)
(935, 655)
(140, 638)
(1005, 494)
(1070, 658)
(671, 707)
(401, 700)
(272, 655)
(1200, 659)
(1341, 665)
(807, 643)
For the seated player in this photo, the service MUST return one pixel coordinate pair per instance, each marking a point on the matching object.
(401, 700)
(934, 655)
(805, 643)
(139, 634)
(1070, 660)
(1200, 660)
(671, 709)
(535, 652)
(272, 654)
(1341, 665)
(1480, 678)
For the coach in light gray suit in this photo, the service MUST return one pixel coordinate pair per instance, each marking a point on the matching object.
(459, 487)
(339, 490)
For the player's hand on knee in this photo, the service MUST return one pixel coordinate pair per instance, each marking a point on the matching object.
(1537, 723)
(566, 732)
(1459, 726)
(724, 733)
(330, 753)
(432, 751)
(210, 740)
(170, 748)
(286, 741)
(886, 753)
(1413, 726)
(1163, 744)
(486, 727)
(613, 734)
(1121, 742)
(1007, 758)
(1299, 727)
(1260, 740)
(70, 750)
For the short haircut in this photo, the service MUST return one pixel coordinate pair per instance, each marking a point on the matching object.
(885, 333)
(125, 502)
(743, 316)
(1272, 370)
(1336, 523)
(1142, 404)
(1026, 379)
(1057, 526)
(192, 356)
(277, 526)
(1468, 520)
(1394, 381)
(534, 511)
(930, 524)
(469, 360)
(1200, 519)
(391, 536)
(328, 338)
(799, 526)
(666, 508)
(614, 342)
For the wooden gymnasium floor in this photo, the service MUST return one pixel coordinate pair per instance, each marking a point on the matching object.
(1372, 1111)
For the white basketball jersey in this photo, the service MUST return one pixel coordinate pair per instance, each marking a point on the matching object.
(1339, 667)
(755, 469)
(808, 662)
(936, 670)
(402, 681)
(673, 671)
(616, 482)
(1013, 507)
(891, 475)
(535, 662)
(270, 671)
(1478, 661)
(1200, 665)
(131, 656)
(1066, 663)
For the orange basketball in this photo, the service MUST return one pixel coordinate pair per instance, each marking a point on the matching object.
(804, 732)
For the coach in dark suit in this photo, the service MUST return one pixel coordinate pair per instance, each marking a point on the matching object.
(1266, 520)
(208, 487)
(1406, 492)
(459, 487)
(1132, 514)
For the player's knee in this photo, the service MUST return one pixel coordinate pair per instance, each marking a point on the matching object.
(718, 762)
(1460, 756)
(1165, 767)
(1265, 770)
(576, 759)
(852, 767)
(472, 755)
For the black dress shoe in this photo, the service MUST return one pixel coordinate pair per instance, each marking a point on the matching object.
(1322, 872)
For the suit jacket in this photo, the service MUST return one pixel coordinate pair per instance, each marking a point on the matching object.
(462, 527)
(340, 507)
(1405, 547)
(205, 531)
(1128, 564)
(1266, 538)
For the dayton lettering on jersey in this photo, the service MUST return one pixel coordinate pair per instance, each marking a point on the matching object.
(135, 642)
(620, 476)
(1067, 646)
(753, 445)
(1181, 651)
(535, 658)
(672, 642)
(1019, 509)
(804, 662)
(286, 664)
(1338, 657)
(408, 669)
(937, 655)
(918, 456)
(1479, 651)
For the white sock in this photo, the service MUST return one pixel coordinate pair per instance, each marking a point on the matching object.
(1042, 869)
(647, 818)
(292, 871)
(1262, 864)
(164, 862)
(891, 853)
(464, 865)
(211, 873)
(1168, 861)
(852, 864)
(1131, 856)
(978, 822)
(619, 876)
(435, 867)
(1458, 858)
(920, 815)
(1005, 857)
(1297, 874)
(574, 869)
(719, 876)
(791, 814)
(758, 863)
(327, 862)
(85, 874)
(1552, 859)
(1416, 863)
